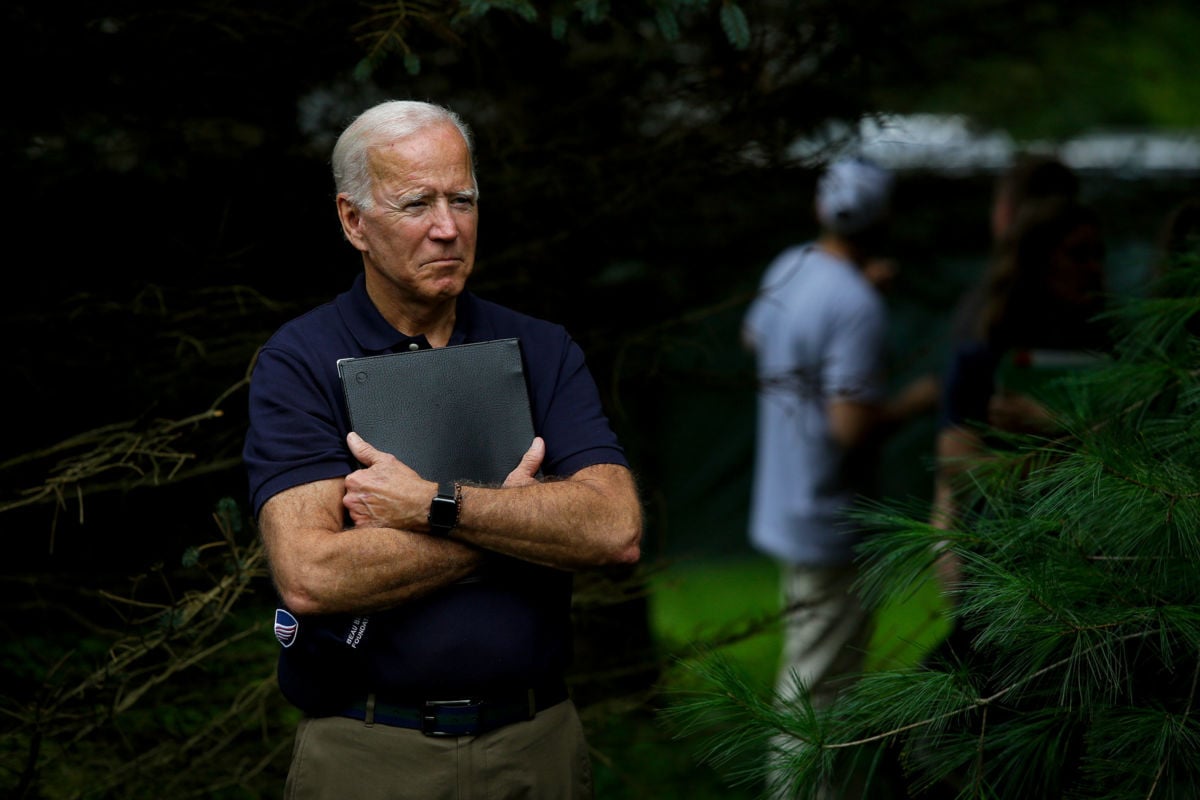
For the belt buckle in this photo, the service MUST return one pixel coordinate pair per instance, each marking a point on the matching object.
(429, 715)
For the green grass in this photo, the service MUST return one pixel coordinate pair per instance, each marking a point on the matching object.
(734, 599)
(697, 601)
(728, 605)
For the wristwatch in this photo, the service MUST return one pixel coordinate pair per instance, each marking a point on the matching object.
(443, 510)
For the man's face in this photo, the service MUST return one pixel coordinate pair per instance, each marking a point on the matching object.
(419, 239)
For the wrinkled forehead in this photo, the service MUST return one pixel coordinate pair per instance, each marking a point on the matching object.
(436, 152)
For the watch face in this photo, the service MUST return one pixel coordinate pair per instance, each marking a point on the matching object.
(443, 513)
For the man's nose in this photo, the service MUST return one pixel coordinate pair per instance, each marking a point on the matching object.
(443, 225)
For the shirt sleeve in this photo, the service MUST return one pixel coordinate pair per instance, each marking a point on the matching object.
(297, 428)
(853, 365)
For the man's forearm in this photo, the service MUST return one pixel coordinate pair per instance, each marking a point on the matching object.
(409, 566)
(318, 568)
(591, 520)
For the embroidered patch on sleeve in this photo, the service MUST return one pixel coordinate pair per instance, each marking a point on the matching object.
(286, 627)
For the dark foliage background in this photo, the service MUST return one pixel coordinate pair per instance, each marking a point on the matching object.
(171, 206)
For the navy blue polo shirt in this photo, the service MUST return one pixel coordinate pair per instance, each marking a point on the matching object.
(508, 628)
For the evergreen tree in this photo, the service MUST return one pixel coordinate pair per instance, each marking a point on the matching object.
(1077, 608)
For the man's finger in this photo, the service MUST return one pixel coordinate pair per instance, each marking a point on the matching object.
(360, 449)
(532, 460)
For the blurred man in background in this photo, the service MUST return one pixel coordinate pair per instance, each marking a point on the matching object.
(818, 329)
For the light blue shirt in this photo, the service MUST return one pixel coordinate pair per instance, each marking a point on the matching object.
(818, 328)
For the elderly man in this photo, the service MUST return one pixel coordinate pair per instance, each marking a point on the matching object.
(426, 632)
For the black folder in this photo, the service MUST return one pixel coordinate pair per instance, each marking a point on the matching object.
(457, 413)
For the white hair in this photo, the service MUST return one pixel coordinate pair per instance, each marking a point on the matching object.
(385, 122)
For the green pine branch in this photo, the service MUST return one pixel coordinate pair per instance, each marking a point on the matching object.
(1077, 669)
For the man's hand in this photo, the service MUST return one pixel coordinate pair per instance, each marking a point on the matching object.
(386, 492)
(526, 471)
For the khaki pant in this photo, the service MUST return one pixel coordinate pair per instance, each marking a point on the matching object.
(826, 635)
(545, 758)
(825, 643)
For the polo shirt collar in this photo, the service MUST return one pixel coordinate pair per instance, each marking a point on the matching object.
(376, 335)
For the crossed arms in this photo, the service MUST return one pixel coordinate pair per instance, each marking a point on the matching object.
(591, 519)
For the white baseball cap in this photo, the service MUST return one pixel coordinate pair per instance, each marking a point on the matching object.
(852, 195)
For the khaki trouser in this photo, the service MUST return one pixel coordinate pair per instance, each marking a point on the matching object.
(825, 643)
(825, 637)
(545, 758)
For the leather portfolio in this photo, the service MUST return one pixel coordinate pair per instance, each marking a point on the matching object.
(451, 413)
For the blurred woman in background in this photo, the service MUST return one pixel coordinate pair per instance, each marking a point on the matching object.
(1044, 289)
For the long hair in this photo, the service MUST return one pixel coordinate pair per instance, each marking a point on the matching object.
(1033, 177)
(1021, 307)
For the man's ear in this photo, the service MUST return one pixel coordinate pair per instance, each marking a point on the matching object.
(351, 219)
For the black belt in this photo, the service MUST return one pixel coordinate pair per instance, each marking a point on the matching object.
(465, 717)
